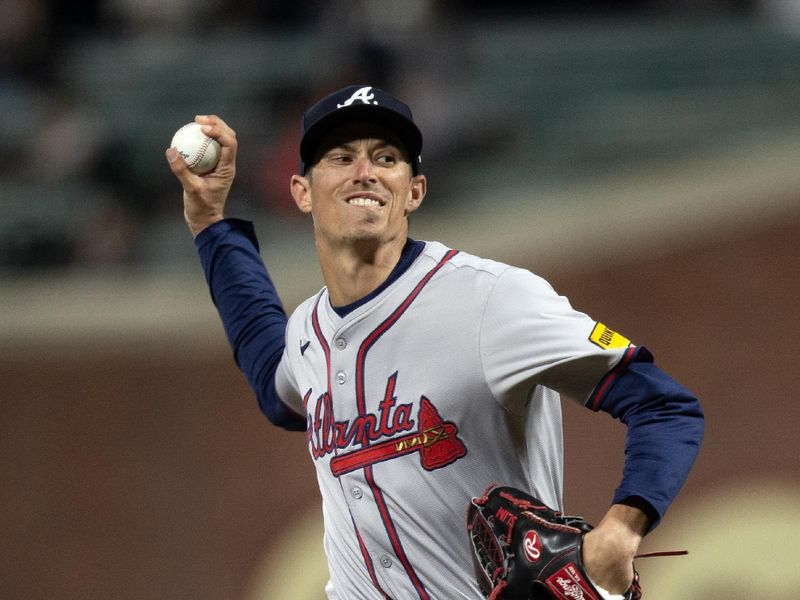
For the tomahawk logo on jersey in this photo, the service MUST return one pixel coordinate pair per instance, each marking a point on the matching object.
(433, 438)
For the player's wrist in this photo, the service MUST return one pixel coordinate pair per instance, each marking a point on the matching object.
(198, 224)
(628, 520)
(609, 549)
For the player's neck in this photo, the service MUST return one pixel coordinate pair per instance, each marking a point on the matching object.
(351, 271)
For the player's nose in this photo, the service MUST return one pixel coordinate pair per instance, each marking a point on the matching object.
(364, 169)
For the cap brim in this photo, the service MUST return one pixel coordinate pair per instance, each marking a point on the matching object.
(406, 131)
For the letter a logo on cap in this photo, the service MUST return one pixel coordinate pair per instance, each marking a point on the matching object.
(360, 94)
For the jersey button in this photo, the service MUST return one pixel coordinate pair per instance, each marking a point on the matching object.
(341, 343)
(341, 378)
(356, 493)
(386, 561)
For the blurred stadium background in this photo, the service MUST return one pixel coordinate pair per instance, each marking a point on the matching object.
(640, 155)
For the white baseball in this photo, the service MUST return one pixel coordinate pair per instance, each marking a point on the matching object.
(199, 151)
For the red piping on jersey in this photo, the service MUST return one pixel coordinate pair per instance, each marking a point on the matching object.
(327, 350)
(366, 556)
(322, 341)
(385, 326)
(361, 404)
(596, 399)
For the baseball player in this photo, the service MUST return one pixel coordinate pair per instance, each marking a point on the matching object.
(421, 374)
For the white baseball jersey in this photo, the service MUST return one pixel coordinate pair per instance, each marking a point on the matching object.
(444, 383)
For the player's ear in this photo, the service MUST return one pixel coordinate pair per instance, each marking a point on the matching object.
(301, 192)
(419, 186)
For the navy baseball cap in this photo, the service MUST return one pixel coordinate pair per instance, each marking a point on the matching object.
(359, 103)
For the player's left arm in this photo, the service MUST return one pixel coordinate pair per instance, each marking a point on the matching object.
(565, 350)
(665, 427)
(241, 288)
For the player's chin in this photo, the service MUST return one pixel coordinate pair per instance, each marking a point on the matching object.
(369, 233)
(361, 235)
(369, 216)
(367, 225)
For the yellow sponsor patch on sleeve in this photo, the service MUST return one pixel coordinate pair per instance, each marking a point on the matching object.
(607, 338)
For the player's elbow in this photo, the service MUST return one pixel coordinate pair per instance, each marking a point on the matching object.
(277, 412)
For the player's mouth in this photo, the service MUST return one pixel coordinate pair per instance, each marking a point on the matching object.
(370, 200)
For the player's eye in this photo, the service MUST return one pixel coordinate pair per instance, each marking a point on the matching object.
(387, 159)
(340, 158)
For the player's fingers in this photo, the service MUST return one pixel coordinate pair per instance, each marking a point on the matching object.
(215, 127)
(211, 120)
(179, 167)
(192, 184)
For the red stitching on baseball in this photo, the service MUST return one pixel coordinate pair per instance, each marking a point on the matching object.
(201, 152)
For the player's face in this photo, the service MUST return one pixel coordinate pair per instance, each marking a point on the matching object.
(361, 188)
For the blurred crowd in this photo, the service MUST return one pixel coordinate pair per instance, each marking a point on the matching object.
(82, 180)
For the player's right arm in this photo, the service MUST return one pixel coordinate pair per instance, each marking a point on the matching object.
(241, 288)
(251, 311)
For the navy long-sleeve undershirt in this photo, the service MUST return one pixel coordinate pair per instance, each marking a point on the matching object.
(665, 426)
(251, 311)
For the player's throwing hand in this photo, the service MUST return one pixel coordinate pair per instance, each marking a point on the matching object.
(204, 196)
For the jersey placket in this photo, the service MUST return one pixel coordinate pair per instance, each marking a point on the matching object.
(398, 554)
(358, 487)
(335, 389)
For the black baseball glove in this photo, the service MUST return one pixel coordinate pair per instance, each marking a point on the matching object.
(524, 550)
